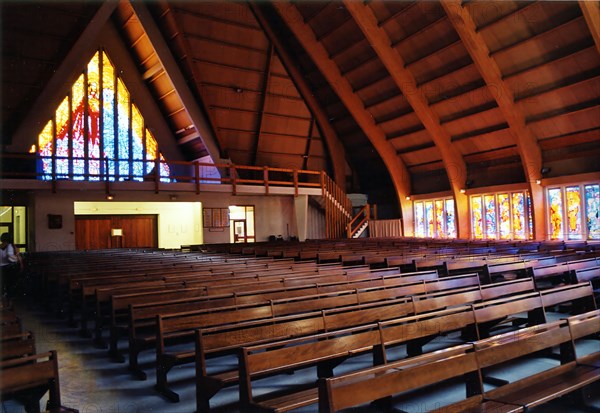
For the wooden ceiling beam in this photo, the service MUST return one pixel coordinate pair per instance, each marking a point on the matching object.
(456, 168)
(263, 101)
(529, 149)
(202, 124)
(396, 168)
(337, 153)
(68, 71)
(591, 13)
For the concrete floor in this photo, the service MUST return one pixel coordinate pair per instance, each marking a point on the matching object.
(92, 383)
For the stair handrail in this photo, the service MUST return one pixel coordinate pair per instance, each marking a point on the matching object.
(363, 215)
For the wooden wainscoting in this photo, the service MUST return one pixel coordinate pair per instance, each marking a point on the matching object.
(95, 231)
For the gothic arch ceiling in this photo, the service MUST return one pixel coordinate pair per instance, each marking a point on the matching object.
(530, 101)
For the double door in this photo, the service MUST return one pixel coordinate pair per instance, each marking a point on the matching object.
(116, 231)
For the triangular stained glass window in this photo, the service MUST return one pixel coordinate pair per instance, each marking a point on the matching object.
(98, 133)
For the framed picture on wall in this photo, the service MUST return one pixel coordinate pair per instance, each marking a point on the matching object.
(216, 217)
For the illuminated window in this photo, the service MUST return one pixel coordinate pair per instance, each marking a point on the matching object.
(435, 218)
(419, 220)
(592, 210)
(556, 213)
(573, 212)
(501, 216)
(477, 219)
(97, 132)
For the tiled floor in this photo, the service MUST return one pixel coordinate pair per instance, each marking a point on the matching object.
(92, 383)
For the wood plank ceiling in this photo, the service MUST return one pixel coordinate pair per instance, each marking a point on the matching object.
(544, 53)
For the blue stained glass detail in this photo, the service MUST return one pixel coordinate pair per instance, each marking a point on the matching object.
(111, 154)
(592, 210)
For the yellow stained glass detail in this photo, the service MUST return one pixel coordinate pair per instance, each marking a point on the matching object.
(62, 115)
(151, 146)
(45, 141)
(137, 122)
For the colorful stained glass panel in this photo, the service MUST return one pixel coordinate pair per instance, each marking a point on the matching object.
(574, 224)
(592, 210)
(477, 217)
(490, 216)
(429, 219)
(450, 219)
(518, 215)
(419, 220)
(504, 216)
(556, 213)
(439, 219)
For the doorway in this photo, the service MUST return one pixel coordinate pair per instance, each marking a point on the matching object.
(241, 219)
(115, 231)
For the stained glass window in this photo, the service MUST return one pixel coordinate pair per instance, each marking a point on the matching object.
(439, 219)
(419, 220)
(476, 213)
(450, 219)
(573, 212)
(435, 218)
(529, 216)
(97, 132)
(592, 210)
(504, 215)
(518, 215)
(490, 216)
(556, 213)
(429, 219)
(501, 215)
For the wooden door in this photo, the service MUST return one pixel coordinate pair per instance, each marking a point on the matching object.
(92, 232)
(95, 232)
(139, 231)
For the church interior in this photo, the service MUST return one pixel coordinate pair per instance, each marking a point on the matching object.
(307, 206)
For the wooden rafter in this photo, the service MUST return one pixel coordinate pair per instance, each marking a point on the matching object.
(201, 123)
(67, 72)
(336, 149)
(404, 79)
(396, 167)
(308, 142)
(591, 13)
(529, 149)
(263, 101)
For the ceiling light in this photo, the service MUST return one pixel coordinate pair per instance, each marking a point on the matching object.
(109, 197)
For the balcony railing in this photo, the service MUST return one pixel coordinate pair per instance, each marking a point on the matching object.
(29, 166)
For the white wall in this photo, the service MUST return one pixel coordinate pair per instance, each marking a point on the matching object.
(179, 223)
(274, 215)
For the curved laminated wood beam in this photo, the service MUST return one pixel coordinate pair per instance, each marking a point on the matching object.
(396, 167)
(172, 70)
(452, 159)
(336, 149)
(591, 14)
(529, 149)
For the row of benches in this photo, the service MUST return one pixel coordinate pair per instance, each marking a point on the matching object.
(469, 362)
(25, 375)
(105, 293)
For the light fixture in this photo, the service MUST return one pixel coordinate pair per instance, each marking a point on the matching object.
(408, 197)
(109, 197)
(545, 170)
(238, 89)
(538, 181)
(463, 190)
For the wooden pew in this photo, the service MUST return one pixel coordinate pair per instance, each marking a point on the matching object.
(573, 373)
(490, 314)
(143, 316)
(17, 345)
(27, 379)
(386, 381)
(379, 383)
(328, 350)
(416, 330)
